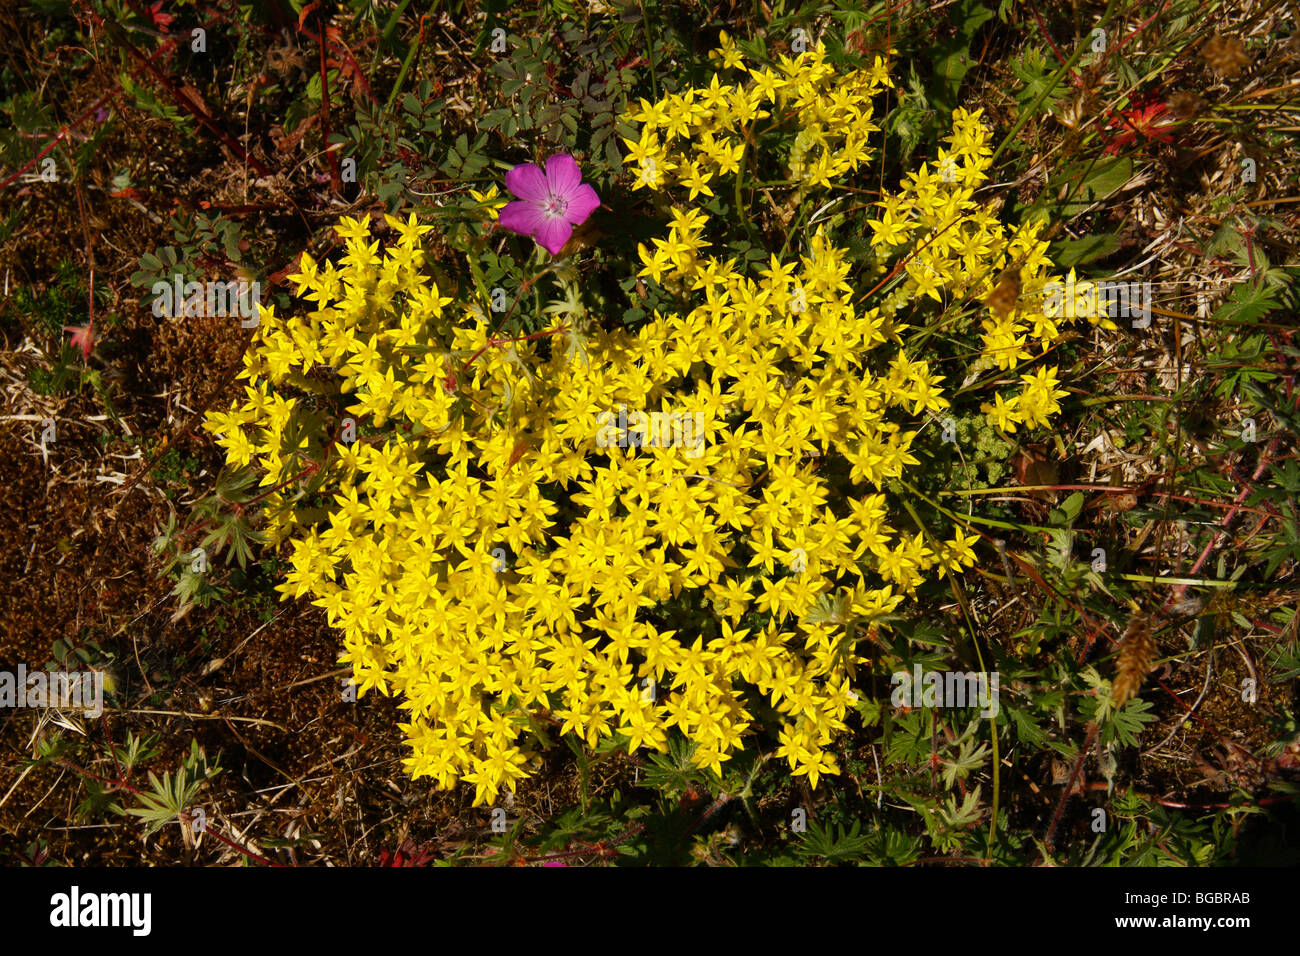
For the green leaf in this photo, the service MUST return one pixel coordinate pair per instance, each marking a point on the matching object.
(1107, 178)
(1067, 253)
(952, 60)
(1086, 183)
(1248, 302)
(1034, 71)
(1127, 725)
(1069, 510)
(832, 844)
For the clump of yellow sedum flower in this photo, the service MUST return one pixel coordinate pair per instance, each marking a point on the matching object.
(483, 447)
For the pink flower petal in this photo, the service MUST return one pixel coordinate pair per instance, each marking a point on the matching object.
(552, 234)
(582, 203)
(562, 175)
(527, 182)
(83, 338)
(522, 217)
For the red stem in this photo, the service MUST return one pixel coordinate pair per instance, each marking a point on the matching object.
(94, 107)
(602, 848)
(1069, 786)
(1142, 26)
(1061, 58)
(185, 102)
(1227, 519)
(336, 183)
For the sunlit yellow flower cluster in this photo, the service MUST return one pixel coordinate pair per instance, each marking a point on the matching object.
(951, 247)
(509, 574)
(957, 251)
(693, 137)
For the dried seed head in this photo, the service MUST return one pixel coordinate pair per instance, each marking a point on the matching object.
(1120, 503)
(1186, 106)
(1226, 56)
(1137, 652)
(1070, 114)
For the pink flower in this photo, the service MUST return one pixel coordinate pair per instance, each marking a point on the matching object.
(83, 337)
(550, 204)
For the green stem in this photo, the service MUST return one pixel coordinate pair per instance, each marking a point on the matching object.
(972, 519)
(401, 76)
(1049, 88)
(649, 50)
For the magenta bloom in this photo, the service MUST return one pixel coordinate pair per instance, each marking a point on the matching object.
(550, 204)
